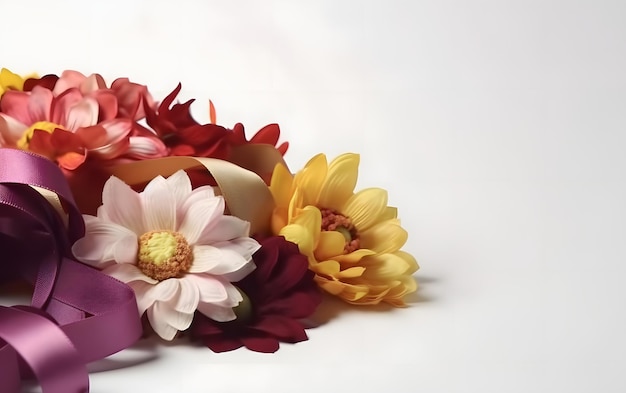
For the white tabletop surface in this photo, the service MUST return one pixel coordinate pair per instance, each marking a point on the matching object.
(498, 127)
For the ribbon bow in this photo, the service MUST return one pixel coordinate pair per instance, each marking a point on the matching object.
(77, 314)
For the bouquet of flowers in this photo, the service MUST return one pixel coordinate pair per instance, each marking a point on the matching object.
(128, 217)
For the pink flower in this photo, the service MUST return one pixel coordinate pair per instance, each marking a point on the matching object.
(67, 127)
(174, 246)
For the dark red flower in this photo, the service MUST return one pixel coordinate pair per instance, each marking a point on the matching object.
(279, 293)
(267, 135)
(184, 136)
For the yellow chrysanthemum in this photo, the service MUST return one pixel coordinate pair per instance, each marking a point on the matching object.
(12, 81)
(352, 240)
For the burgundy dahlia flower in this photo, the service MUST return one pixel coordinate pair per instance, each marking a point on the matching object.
(277, 295)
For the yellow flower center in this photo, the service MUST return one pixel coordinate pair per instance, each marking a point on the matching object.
(24, 141)
(164, 254)
(332, 220)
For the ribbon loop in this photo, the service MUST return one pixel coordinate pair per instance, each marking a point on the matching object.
(46, 349)
(54, 336)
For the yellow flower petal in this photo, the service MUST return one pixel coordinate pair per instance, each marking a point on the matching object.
(366, 207)
(390, 213)
(327, 268)
(409, 259)
(310, 179)
(385, 267)
(281, 185)
(340, 181)
(330, 286)
(305, 229)
(330, 244)
(352, 272)
(279, 219)
(9, 79)
(354, 256)
(385, 237)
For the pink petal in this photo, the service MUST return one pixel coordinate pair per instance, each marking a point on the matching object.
(107, 104)
(123, 206)
(82, 114)
(11, 130)
(146, 147)
(117, 129)
(15, 104)
(92, 83)
(62, 104)
(39, 104)
(69, 79)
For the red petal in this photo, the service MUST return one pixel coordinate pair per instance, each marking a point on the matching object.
(261, 344)
(282, 328)
(268, 134)
(222, 343)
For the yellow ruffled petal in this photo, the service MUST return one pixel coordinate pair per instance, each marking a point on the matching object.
(330, 244)
(385, 237)
(352, 272)
(354, 256)
(366, 207)
(310, 179)
(9, 79)
(281, 185)
(327, 268)
(304, 230)
(295, 205)
(330, 286)
(409, 259)
(341, 179)
(279, 219)
(385, 267)
(390, 213)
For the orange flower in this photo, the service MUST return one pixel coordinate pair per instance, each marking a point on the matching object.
(352, 240)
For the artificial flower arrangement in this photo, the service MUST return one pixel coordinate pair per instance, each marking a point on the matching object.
(126, 210)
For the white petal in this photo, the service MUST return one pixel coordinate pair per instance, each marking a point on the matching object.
(224, 228)
(217, 313)
(123, 205)
(159, 205)
(211, 289)
(205, 258)
(246, 246)
(125, 250)
(198, 216)
(97, 247)
(232, 266)
(126, 273)
(188, 297)
(144, 300)
(159, 322)
(165, 290)
(180, 186)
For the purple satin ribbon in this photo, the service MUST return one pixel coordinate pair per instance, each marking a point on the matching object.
(77, 314)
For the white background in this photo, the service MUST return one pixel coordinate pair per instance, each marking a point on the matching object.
(498, 128)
